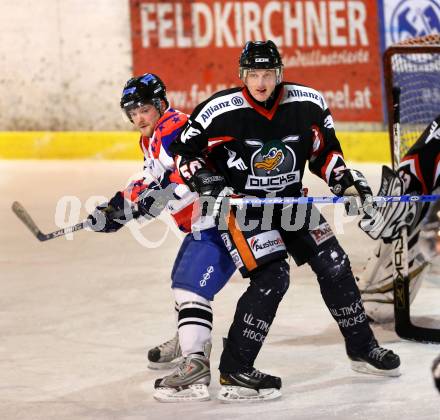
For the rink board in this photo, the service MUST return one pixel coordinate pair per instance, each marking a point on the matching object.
(358, 146)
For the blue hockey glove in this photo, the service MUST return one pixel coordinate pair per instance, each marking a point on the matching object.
(110, 217)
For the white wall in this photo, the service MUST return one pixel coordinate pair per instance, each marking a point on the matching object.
(63, 64)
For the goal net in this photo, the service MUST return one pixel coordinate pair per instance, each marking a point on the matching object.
(414, 67)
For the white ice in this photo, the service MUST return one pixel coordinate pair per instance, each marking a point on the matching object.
(77, 317)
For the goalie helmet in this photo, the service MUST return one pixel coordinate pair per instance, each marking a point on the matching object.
(143, 90)
(260, 55)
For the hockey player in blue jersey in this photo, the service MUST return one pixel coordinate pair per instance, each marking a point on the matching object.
(202, 252)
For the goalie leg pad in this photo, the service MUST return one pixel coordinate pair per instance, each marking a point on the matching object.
(376, 280)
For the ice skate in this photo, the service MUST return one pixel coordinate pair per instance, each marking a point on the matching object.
(189, 382)
(248, 386)
(375, 360)
(165, 356)
(436, 372)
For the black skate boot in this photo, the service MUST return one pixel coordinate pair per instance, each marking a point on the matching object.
(375, 360)
(252, 385)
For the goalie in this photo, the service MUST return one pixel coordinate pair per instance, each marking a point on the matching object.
(418, 173)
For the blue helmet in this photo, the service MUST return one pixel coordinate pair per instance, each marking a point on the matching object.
(141, 90)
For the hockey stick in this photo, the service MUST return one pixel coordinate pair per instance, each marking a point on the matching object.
(402, 317)
(24, 216)
(347, 200)
(330, 200)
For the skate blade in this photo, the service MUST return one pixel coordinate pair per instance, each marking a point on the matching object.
(196, 392)
(364, 367)
(239, 394)
(164, 365)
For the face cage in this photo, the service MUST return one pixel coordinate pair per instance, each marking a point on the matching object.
(243, 71)
(154, 101)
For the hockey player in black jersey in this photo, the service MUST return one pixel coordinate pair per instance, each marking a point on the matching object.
(418, 173)
(258, 139)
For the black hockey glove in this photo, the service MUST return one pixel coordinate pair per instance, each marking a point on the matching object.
(200, 179)
(211, 187)
(110, 217)
(352, 182)
(206, 182)
(213, 191)
(187, 169)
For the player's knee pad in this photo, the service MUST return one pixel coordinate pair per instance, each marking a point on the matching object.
(272, 279)
(332, 266)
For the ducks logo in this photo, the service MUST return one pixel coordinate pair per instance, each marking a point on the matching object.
(273, 165)
(273, 156)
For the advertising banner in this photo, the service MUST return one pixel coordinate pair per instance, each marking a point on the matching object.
(404, 19)
(418, 78)
(330, 45)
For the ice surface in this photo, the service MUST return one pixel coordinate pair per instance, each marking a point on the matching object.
(77, 317)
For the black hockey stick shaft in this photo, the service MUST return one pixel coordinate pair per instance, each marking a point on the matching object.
(25, 217)
(396, 127)
(402, 315)
(62, 232)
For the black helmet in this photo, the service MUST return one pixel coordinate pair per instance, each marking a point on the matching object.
(145, 89)
(260, 55)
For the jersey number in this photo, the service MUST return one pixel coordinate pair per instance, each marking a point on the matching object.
(187, 170)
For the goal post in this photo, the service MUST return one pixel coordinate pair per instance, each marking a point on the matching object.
(413, 66)
(412, 83)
